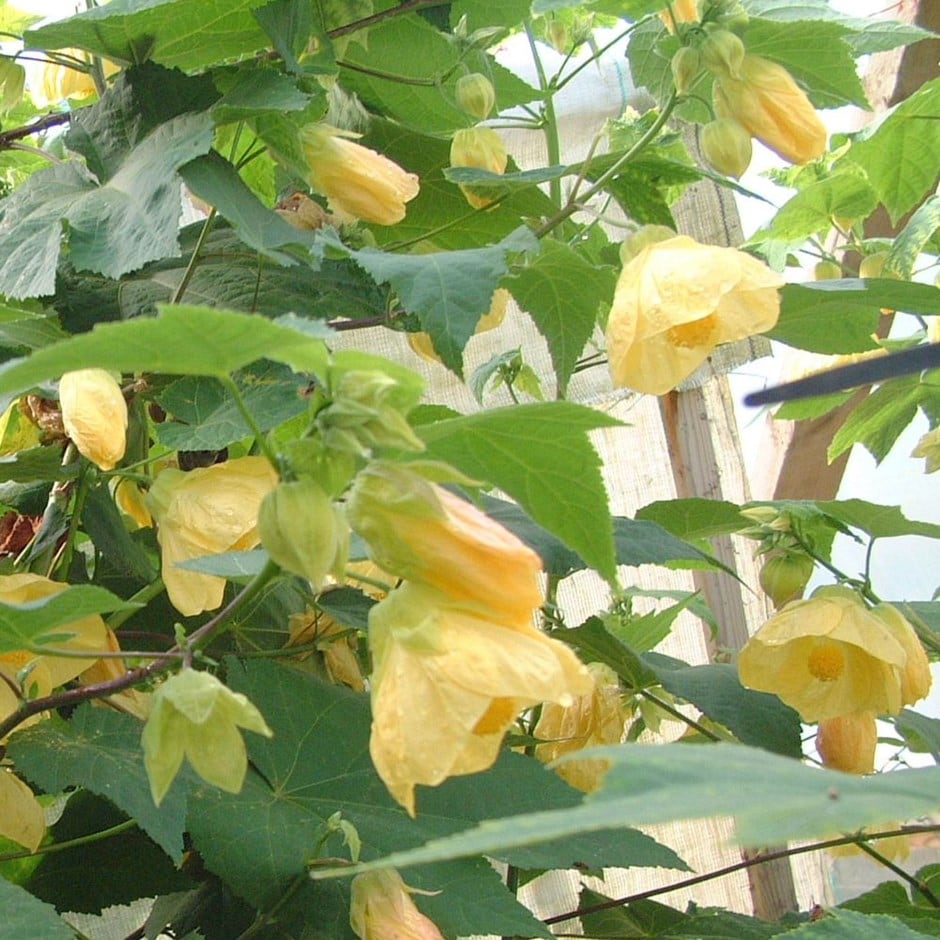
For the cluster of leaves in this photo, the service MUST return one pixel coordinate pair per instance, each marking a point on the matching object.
(223, 328)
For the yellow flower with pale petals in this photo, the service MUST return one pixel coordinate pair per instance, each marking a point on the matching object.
(357, 182)
(21, 817)
(448, 684)
(676, 301)
(589, 721)
(422, 532)
(94, 415)
(683, 11)
(769, 104)
(847, 743)
(59, 82)
(482, 148)
(831, 656)
(206, 511)
(381, 909)
(46, 671)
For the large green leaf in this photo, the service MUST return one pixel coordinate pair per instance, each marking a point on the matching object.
(317, 763)
(841, 924)
(99, 750)
(695, 517)
(36, 463)
(29, 330)
(877, 520)
(899, 151)
(840, 316)
(176, 33)
(26, 918)
(773, 799)
(563, 293)
(46, 621)
(911, 240)
(540, 455)
(182, 340)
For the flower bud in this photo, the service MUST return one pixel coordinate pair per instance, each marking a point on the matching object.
(873, 265)
(684, 11)
(726, 145)
(827, 271)
(784, 577)
(381, 909)
(303, 531)
(557, 34)
(685, 65)
(94, 415)
(928, 447)
(723, 53)
(482, 148)
(847, 743)
(475, 95)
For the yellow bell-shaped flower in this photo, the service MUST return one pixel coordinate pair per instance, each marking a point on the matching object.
(94, 415)
(482, 148)
(381, 909)
(765, 99)
(448, 684)
(830, 656)
(676, 301)
(847, 743)
(357, 182)
(207, 511)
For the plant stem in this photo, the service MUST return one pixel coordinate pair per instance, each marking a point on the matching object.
(194, 259)
(249, 419)
(550, 121)
(141, 597)
(72, 843)
(917, 885)
(665, 706)
(406, 6)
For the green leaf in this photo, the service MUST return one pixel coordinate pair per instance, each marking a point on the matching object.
(920, 732)
(640, 542)
(175, 33)
(910, 241)
(112, 228)
(695, 517)
(877, 422)
(600, 645)
(259, 841)
(252, 91)
(36, 463)
(563, 293)
(842, 924)
(26, 917)
(773, 799)
(105, 526)
(449, 291)
(289, 25)
(840, 316)
(99, 750)
(46, 621)
(234, 566)
(891, 898)
(27, 330)
(815, 53)
(644, 918)
(207, 418)
(643, 632)
(927, 611)
(182, 340)
(756, 718)
(540, 455)
(898, 152)
(876, 520)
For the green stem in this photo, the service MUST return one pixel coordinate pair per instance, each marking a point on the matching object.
(71, 843)
(249, 419)
(665, 706)
(194, 259)
(406, 6)
(593, 58)
(141, 597)
(921, 887)
(64, 560)
(550, 121)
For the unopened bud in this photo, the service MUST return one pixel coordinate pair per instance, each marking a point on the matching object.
(726, 145)
(723, 53)
(557, 34)
(94, 415)
(642, 238)
(685, 65)
(827, 271)
(475, 95)
(482, 148)
(784, 577)
(874, 266)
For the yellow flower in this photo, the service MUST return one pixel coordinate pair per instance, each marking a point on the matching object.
(45, 670)
(94, 415)
(422, 532)
(358, 182)
(676, 301)
(830, 656)
(684, 11)
(207, 511)
(482, 148)
(928, 447)
(133, 701)
(335, 642)
(773, 108)
(381, 909)
(59, 82)
(448, 684)
(21, 817)
(593, 719)
(197, 717)
(847, 743)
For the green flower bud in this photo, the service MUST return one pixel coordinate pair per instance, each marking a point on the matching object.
(304, 531)
(784, 577)
(557, 34)
(723, 53)
(874, 266)
(475, 95)
(726, 145)
(685, 65)
(642, 238)
(827, 271)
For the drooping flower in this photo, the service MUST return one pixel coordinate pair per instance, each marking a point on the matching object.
(195, 716)
(447, 685)
(676, 301)
(45, 671)
(358, 182)
(830, 656)
(766, 100)
(21, 816)
(381, 909)
(206, 511)
(726, 145)
(475, 95)
(94, 415)
(423, 532)
(847, 743)
(333, 641)
(590, 720)
(59, 82)
(482, 148)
